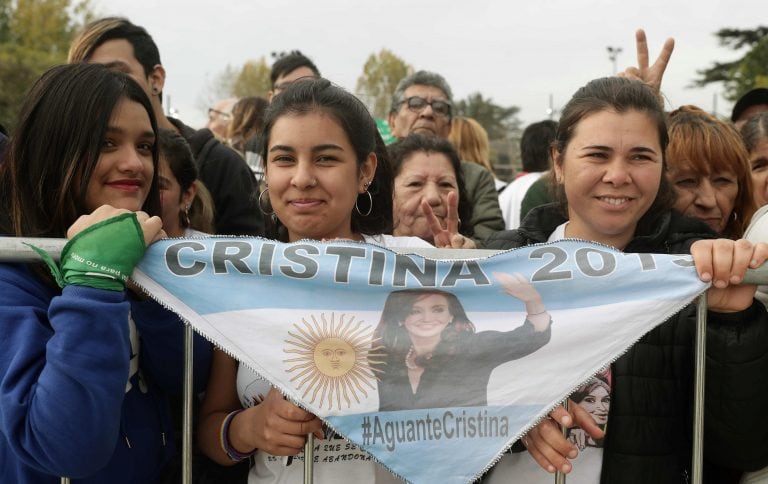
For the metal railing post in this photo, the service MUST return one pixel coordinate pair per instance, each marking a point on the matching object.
(186, 446)
(698, 394)
(559, 475)
(309, 459)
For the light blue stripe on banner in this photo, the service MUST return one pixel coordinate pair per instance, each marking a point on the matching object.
(365, 280)
(464, 437)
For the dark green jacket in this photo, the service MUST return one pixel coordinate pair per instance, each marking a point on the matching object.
(482, 194)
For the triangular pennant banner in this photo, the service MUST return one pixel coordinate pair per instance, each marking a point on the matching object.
(304, 316)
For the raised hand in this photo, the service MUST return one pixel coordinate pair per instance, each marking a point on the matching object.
(651, 75)
(448, 236)
(516, 285)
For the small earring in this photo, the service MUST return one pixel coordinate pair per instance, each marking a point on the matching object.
(186, 215)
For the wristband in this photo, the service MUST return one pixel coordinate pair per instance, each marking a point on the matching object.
(226, 445)
(102, 256)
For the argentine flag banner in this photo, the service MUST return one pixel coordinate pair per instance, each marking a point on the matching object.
(429, 368)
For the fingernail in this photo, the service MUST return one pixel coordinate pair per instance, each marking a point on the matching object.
(566, 468)
(720, 284)
(735, 279)
(566, 420)
(706, 276)
(573, 453)
(551, 469)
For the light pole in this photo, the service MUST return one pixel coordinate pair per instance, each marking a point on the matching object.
(613, 54)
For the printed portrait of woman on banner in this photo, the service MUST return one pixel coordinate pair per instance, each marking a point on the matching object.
(435, 359)
(595, 397)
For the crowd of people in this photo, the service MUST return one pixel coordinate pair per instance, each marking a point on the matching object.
(90, 365)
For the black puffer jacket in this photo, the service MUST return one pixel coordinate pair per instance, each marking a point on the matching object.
(649, 426)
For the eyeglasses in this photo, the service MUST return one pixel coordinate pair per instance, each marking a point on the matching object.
(417, 104)
(212, 113)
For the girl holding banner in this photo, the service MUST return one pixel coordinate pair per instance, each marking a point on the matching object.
(86, 364)
(609, 169)
(328, 177)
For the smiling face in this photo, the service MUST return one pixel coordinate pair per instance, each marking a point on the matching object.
(611, 170)
(429, 316)
(123, 174)
(313, 176)
(424, 121)
(709, 197)
(597, 403)
(423, 176)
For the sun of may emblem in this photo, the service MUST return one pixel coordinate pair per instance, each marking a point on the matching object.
(335, 359)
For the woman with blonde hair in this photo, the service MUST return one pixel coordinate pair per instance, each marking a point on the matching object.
(471, 142)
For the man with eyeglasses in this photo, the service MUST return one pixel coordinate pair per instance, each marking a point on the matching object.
(422, 103)
(121, 45)
(219, 117)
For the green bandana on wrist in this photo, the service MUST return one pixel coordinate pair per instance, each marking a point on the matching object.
(102, 256)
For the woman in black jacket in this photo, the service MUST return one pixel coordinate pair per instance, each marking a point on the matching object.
(609, 170)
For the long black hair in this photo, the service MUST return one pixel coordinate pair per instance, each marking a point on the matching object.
(312, 95)
(56, 145)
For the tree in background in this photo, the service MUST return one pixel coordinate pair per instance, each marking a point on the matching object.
(251, 79)
(503, 127)
(499, 121)
(381, 73)
(34, 36)
(741, 75)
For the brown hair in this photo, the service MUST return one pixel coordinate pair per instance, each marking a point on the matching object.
(705, 144)
(619, 95)
(247, 121)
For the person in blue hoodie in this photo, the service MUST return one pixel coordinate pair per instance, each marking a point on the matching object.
(87, 361)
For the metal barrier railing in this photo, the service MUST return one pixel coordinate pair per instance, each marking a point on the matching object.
(13, 249)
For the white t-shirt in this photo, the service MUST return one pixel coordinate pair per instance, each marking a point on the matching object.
(391, 241)
(595, 397)
(336, 459)
(511, 198)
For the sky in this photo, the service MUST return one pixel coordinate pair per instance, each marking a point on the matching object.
(517, 53)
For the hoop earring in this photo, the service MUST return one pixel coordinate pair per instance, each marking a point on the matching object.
(370, 204)
(269, 212)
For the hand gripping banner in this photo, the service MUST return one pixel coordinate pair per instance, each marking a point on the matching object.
(432, 367)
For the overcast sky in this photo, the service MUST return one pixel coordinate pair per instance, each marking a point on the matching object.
(518, 53)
